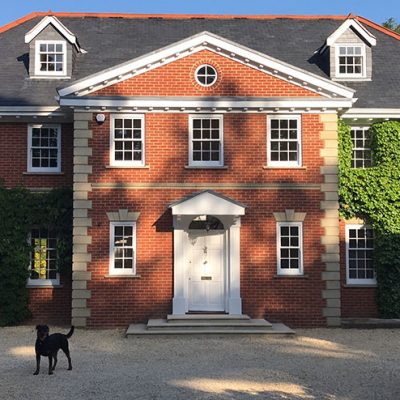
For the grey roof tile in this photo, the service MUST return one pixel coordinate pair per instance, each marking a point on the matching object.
(111, 41)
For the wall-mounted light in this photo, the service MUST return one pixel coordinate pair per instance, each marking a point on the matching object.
(100, 118)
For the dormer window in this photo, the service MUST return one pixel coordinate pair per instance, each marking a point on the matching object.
(350, 61)
(349, 52)
(52, 50)
(50, 57)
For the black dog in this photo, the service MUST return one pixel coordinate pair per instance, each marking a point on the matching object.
(48, 346)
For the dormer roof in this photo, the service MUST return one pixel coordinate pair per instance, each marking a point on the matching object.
(354, 24)
(59, 26)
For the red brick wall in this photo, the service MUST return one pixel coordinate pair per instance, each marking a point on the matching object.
(47, 304)
(51, 305)
(120, 301)
(177, 79)
(245, 152)
(13, 158)
(356, 301)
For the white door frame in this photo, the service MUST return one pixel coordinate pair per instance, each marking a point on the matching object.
(228, 211)
(233, 301)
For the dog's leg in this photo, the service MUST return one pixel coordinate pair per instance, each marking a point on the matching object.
(65, 349)
(37, 364)
(50, 365)
(55, 360)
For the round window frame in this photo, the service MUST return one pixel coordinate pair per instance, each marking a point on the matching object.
(204, 84)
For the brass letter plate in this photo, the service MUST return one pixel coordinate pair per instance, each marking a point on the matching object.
(206, 278)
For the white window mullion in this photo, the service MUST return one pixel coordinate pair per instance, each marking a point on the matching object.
(44, 148)
(127, 140)
(122, 248)
(362, 152)
(359, 255)
(206, 141)
(50, 58)
(289, 248)
(284, 141)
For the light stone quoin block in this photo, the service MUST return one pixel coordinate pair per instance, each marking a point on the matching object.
(330, 222)
(81, 221)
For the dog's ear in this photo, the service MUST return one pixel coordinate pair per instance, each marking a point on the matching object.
(37, 327)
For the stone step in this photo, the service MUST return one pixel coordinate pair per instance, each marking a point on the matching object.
(141, 330)
(204, 316)
(370, 323)
(208, 323)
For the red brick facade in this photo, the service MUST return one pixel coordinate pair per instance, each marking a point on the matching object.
(116, 301)
(52, 305)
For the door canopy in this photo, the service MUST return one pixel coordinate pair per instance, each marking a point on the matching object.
(207, 202)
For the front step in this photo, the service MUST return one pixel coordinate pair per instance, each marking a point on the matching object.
(208, 323)
(203, 316)
(197, 324)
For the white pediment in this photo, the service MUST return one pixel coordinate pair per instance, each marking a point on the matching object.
(58, 25)
(207, 203)
(218, 45)
(354, 24)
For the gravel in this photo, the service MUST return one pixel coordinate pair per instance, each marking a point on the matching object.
(314, 364)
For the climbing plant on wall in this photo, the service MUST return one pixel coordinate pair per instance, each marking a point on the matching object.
(20, 210)
(373, 194)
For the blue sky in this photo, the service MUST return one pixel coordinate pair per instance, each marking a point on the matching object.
(378, 11)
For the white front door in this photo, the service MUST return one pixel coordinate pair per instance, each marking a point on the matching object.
(206, 271)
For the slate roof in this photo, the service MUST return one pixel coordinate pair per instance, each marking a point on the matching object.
(111, 41)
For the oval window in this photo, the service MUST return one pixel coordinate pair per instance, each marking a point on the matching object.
(206, 75)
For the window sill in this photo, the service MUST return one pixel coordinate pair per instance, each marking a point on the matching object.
(360, 285)
(351, 79)
(123, 276)
(59, 77)
(205, 167)
(291, 276)
(55, 286)
(283, 167)
(128, 166)
(42, 173)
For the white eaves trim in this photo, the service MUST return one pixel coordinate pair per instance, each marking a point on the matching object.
(182, 104)
(50, 20)
(372, 113)
(351, 23)
(216, 44)
(28, 111)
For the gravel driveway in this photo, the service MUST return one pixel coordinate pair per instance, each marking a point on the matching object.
(314, 364)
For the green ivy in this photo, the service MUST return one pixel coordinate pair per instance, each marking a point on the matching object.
(20, 210)
(373, 194)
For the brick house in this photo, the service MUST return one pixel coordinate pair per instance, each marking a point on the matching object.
(202, 153)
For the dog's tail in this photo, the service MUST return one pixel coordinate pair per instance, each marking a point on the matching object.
(71, 331)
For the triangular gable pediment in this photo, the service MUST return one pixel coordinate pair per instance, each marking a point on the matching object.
(218, 45)
(56, 24)
(357, 27)
(207, 202)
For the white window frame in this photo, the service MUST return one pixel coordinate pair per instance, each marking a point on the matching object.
(41, 282)
(364, 129)
(285, 164)
(124, 163)
(210, 163)
(289, 271)
(363, 56)
(37, 58)
(356, 281)
(44, 169)
(122, 271)
(205, 84)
